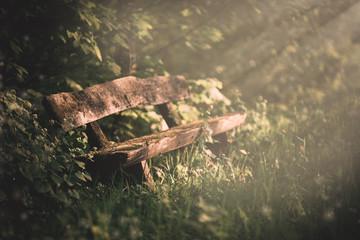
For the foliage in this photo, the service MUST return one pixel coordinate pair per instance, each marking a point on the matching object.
(44, 43)
(37, 170)
(291, 172)
(131, 123)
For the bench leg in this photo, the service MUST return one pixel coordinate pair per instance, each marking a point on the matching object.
(218, 147)
(141, 172)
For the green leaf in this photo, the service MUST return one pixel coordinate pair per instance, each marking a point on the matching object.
(21, 71)
(74, 193)
(16, 49)
(98, 53)
(68, 180)
(56, 178)
(27, 174)
(73, 85)
(84, 18)
(65, 141)
(116, 69)
(62, 38)
(80, 164)
(55, 165)
(60, 195)
(80, 176)
(87, 176)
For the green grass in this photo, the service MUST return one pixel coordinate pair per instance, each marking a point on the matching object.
(289, 174)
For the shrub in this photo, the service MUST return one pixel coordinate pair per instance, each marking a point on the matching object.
(37, 170)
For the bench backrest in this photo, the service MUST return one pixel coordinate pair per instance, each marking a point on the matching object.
(74, 109)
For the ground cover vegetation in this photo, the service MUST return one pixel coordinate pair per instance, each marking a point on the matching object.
(291, 172)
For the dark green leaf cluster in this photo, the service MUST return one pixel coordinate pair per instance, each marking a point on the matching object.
(37, 170)
(47, 43)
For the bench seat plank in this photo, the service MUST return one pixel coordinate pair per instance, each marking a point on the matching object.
(139, 149)
(74, 109)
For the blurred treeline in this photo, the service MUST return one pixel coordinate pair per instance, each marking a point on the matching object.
(52, 46)
(270, 47)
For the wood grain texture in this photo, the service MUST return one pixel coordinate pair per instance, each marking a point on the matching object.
(75, 109)
(139, 149)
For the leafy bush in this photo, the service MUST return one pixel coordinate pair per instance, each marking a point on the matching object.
(37, 170)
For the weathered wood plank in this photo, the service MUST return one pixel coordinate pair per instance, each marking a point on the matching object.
(140, 149)
(78, 108)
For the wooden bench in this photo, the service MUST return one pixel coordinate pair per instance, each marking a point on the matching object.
(74, 109)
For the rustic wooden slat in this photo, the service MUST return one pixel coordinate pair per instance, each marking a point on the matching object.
(74, 109)
(140, 149)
